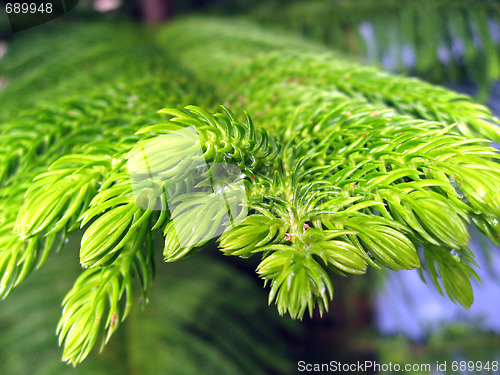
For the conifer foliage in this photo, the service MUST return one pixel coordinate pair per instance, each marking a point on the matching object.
(438, 40)
(372, 171)
(343, 167)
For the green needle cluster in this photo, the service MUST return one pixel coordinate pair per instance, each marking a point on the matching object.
(335, 167)
(374, 169)
(63, 167)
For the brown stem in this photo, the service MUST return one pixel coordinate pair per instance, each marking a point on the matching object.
(155, 11)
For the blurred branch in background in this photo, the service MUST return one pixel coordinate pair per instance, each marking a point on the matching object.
(438, 40)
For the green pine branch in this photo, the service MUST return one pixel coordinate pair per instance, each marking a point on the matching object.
(421, 165)
(100, 299)
(340, 167)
